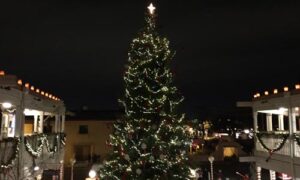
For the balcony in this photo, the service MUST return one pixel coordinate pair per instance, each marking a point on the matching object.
(9, 149)
(274, 141)
(43, 150)
(297, 145)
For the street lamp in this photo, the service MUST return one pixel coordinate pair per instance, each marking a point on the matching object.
(211, 160)
(72, 162)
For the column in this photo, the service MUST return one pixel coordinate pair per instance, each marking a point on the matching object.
(20, 121)
(258, 172)
(61, 172)
(281, 122)
(292, 129)
(272, 175)
(35, 124)
(19, 132)
(41, 123)
(293, 125)
(269, 122)
(255, 120)
(59, 123)
(56, 123)
(2, 126)
(63, 119)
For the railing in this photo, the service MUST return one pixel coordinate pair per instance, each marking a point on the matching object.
(296, 149)
(273, 141)
(297, 145)
(39, 144)
(9, 149)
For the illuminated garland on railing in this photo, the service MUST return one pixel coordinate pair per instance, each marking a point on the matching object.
(297, 139)
(38, 151)
(43, 141)
(54, 149)
(282, 135)
(63, 138)
(11, 162)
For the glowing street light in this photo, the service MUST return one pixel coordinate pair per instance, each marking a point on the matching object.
(36, 168)
(211, 160)
(92, 174)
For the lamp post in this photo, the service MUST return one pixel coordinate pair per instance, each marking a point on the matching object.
(211, 160)
(72, 162)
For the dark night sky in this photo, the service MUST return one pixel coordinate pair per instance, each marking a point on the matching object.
(226, 49)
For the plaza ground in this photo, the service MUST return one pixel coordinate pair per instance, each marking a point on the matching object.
(228, 169)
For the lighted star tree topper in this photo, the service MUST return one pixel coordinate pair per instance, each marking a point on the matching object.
(151, 141)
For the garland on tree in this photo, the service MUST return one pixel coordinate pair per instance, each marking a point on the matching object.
(11, 162)
(282, 135)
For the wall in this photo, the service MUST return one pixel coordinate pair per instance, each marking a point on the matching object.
(98, 134)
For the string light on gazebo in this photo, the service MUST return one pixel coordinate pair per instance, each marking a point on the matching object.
(286, 89)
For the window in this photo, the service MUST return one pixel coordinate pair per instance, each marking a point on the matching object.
(286, 123)
(275, 122)
(83, 129)
(261, 121)
(298, 123)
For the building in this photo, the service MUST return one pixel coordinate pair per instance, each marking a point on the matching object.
(31, 134)
(88, 132)
(277, 127)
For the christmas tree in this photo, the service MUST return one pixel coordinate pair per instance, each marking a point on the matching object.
(151, 141)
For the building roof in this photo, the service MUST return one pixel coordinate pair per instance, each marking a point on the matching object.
(8, 81)
(95, 115)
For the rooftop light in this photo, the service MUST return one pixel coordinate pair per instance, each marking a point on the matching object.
(282, 109)
(6, 105)
(27, 85)
(20, 82)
